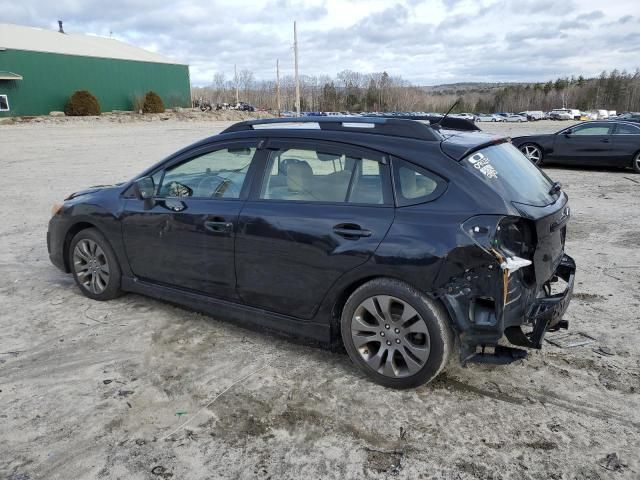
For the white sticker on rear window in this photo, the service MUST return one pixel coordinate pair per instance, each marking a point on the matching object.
(480, 161)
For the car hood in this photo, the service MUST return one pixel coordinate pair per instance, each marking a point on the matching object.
(95, 188)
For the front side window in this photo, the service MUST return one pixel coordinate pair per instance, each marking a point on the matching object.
(218, 174)
(597, 129)
(4, 103)
(309, 175)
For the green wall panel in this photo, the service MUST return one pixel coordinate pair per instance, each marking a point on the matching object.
(49, 79)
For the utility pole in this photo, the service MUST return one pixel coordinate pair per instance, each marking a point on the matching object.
(278, 86)
(295, 56)
(235, 79)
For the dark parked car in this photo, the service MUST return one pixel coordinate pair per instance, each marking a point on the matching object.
(597, 143)
(390, 236)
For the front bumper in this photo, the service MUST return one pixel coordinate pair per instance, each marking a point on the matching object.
(55, 243)
(546, 313)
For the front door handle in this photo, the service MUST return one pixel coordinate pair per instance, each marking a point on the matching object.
(605, 140)
(351, 231)
(218, 225)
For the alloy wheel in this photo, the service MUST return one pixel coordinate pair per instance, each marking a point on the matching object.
(533, 153)
(637, 163)
(91, 266)
(390, 336)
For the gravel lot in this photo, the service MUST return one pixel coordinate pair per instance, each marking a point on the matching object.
(99, 390)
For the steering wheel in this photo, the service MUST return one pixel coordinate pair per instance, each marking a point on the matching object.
(216, 186)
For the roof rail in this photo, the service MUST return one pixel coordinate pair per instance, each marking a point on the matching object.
(376, 125)
(439, 121)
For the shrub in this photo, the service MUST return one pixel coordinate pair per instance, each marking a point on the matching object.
(82, 103)
(137, 102)
(152, 103)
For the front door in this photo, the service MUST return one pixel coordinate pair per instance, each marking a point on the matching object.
(585, 144)
(186, 239)
(320, 210)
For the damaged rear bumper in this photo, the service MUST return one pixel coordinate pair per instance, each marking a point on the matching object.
(523, 317)
(546, 313)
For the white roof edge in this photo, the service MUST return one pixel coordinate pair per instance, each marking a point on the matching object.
(18, 37)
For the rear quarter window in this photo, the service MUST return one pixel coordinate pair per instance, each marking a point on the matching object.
(415, 185)
(510, 174)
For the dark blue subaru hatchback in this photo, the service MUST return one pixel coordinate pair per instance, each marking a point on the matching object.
(398, 239)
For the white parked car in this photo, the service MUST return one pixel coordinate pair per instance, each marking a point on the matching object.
(565, 114)
(489, 117)
(465, 116)
(533, 114)
(603, 114)
(515, 118)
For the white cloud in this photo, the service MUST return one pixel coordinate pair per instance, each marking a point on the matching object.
(424, 41)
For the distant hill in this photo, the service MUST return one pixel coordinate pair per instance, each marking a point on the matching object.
(468, 87)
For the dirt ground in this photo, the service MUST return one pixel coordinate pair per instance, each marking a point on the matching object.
(103, 390)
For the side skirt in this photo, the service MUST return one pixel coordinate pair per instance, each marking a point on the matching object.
(241, 314)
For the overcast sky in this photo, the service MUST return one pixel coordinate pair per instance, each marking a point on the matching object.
(427, 42)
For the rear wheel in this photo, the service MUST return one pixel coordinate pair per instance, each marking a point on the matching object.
(94, 265)
(636, 163)
(396, 335)
(532, 152)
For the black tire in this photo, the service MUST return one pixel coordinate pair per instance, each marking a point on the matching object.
(636, 163)
(104, 255)
(440, 337)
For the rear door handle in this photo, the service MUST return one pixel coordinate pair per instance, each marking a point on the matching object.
(218, 225)
(351, 231)
(605, 140)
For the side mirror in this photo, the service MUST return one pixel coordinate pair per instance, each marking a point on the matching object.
(144, 189)
(568, 132)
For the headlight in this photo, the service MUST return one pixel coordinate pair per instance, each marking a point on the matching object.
(55, 209)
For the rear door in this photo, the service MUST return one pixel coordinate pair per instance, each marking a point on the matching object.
(626, 143)
(186, 239)
(585, 144)
(320, 210)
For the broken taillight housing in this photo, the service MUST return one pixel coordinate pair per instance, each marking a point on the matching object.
(510, 240)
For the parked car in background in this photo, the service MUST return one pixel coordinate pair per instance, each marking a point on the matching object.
(402, 241)
(564, 114)
(512, 117)
(489, 117)
(533, 115)
(464, 116)
(603, 114)
(629, 117)
(612, 143)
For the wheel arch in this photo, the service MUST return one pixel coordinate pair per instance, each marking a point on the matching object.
(72, 232)
(634, 156)
(345, 293)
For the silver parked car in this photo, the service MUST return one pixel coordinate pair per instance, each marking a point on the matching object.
(515, 118)
(489, 117)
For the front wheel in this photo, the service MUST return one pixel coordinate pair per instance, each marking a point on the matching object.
(94, 265)
(396, 335)
(533, 153)
(636, 163)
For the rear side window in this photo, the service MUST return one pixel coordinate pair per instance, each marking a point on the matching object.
(415, 185)
(507, 171)
(308, 175)
(622, 129)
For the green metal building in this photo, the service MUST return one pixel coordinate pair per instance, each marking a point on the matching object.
(40, 70)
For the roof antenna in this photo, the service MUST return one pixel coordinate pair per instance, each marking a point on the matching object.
(439, 122)
(60, 29)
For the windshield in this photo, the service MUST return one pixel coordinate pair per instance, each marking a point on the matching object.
(505, 169)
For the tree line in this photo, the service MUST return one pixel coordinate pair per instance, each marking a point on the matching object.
(355, 91)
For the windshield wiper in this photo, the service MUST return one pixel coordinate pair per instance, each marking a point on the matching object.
(555, 188)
